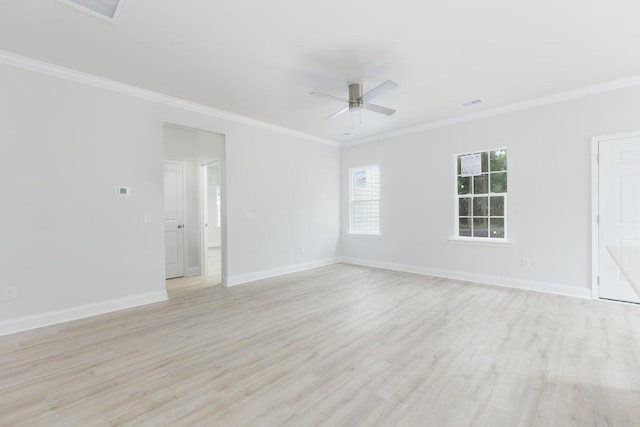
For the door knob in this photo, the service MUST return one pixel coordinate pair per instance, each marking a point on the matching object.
(180, 226)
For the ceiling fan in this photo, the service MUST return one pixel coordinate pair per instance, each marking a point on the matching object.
(358, 101)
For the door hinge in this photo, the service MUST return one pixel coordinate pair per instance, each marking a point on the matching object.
(598, 280)
(597, 219)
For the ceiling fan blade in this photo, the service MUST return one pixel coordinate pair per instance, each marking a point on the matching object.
(379, 90)
(337, 113)
(378, 109)
(324, 95)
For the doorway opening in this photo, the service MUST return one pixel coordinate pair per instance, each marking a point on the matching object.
(212, 214)
(194, 209)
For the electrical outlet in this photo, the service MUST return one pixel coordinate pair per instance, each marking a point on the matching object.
(10, 293)
(525, 262)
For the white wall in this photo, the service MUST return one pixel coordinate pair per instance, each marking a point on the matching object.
(286, 201)
(549, 194)
(193, 148)
(213, 180)
(68, 240)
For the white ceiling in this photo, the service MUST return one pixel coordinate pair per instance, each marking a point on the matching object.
(260, 58)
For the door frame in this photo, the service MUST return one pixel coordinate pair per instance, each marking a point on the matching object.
(203, 217)
(595, 203)
(185, 249)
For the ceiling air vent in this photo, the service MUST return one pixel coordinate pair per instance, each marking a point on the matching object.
(474, 102)
(106, 9)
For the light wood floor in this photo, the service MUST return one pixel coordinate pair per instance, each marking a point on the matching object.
(183, 286)
(214, 263)
(336, 346)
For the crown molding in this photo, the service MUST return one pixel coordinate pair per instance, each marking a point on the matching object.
(518, 106)
(38, 66)
(35, 65)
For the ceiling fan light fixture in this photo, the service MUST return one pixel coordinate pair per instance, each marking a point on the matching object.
(105, 9)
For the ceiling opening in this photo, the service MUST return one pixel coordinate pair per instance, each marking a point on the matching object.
(106, 9)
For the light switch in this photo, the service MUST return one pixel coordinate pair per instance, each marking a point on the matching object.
(147, 218)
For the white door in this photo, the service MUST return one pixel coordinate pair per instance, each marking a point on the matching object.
(174, 219)
(619, 211)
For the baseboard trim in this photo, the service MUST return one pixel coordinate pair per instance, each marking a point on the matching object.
(265, 274)
(26, 323)
(529, 285)
(194, 271)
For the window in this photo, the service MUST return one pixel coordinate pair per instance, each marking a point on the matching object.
(364, 195)
(481, 208)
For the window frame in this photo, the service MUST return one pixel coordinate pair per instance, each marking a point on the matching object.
(456, 219)
(350, 231)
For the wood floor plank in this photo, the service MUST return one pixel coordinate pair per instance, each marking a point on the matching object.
(335, 346)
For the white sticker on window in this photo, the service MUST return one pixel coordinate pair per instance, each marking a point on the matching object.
(361, 178)
(471, 165)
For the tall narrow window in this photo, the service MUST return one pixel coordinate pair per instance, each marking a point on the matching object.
(364, 194)
(482, 195)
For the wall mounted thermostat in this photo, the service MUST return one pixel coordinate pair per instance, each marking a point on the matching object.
(123, 191)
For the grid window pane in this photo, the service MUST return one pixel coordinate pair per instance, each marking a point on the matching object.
(498, 160)
(496, 206)
(485, 162)
(464, 225)
(499, 182)
(497, 228)
(480, 227)
(464, 206)
(464, 184)
(481, 184)
(480, 206)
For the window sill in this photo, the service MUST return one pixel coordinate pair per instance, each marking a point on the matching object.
(363, 235)
(478, 241)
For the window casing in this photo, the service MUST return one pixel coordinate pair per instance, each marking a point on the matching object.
(364, 200)
(481, 189)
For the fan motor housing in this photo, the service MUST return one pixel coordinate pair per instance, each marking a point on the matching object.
(355, 96)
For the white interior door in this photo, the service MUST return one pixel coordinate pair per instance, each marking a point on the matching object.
(619, 212)
(174, 219)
